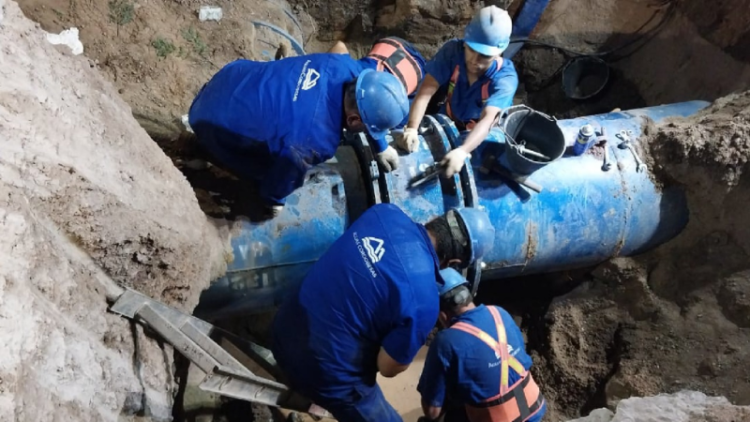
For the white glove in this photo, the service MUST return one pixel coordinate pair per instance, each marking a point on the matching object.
(388, 159)
(409, 140)
(273, 211)
(454, 161)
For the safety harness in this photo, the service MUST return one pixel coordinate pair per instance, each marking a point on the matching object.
(452, 85)
(515, 403)
(391, 54)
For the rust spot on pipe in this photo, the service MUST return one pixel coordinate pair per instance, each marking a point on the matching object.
(531, 241)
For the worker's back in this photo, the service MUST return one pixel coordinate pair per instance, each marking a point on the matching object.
(469, 369)
(293, 103)
(375, 286)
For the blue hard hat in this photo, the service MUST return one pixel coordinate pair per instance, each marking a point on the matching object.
(451, 280)
(382, 102)
(489, 31)
(480, 230)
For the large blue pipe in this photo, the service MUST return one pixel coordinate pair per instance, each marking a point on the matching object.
(582, 217)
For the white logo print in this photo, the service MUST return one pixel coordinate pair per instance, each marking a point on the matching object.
(374, 247)
(311, 78)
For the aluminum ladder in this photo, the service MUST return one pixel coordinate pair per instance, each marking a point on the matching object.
(217, 353)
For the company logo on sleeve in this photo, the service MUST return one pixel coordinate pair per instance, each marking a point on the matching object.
(371, 249)
(308, 78)
(374, 248)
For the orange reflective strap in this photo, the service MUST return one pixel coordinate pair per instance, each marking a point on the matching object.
(514, 403)
(485, 92)
(451, 87)
(519, 405)
(503, 344)
(501, 348)
(391, 54)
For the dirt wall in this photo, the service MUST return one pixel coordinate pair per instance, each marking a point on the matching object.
(675, 318)
(159, 54)
(87, 202)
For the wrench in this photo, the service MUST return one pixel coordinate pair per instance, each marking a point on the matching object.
(606, 165)
(625, 137)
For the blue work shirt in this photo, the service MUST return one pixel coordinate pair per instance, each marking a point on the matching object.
(466, 103)
(466, 370)
(376, 286)
(273, 121)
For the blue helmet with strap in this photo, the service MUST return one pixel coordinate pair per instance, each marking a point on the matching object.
(382, 102)
(451, 280)
(479, 234)
(489, 31)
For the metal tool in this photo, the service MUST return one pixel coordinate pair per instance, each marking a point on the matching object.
(490, 164)
(624, 135)
(431, 172)
(523, 150)
(606, 165)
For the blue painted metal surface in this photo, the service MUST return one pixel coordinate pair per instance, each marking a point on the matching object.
(524, 24)
(582, 217)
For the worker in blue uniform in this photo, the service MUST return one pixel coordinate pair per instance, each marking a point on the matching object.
(273, 121)
(477, 369)
(480, 85)
(368, 304)
(394, 55)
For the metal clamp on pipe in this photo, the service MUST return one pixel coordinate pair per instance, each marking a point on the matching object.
(468, 187)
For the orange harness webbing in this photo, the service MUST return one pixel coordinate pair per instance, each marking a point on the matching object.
(514, 403)
(452, 85)
(392, 55)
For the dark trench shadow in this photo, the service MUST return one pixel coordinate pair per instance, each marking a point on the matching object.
(529, 297)
(220, 194)
(661, 67)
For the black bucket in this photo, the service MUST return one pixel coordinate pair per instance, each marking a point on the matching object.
(584, 77)
(532, 140)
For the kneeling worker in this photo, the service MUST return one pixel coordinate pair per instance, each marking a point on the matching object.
(477, 370)
(368, 304)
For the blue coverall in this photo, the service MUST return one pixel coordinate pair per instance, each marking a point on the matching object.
(272, 121)
(375, 287)
(461, 369)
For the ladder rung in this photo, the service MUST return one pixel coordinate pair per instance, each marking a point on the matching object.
(178, 339)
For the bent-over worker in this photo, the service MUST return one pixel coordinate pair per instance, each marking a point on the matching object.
(480, 84)
(273, 121)
(368, 304)
(477, 369)
(396, 56)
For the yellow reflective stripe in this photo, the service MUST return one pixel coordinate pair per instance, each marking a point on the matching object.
(516, 365)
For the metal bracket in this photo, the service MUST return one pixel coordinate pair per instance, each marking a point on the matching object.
(439, 142)
(469, 190)
(370, 170)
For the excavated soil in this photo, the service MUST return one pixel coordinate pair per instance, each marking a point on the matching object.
(88, 204)
(160, 54)
(676, 318)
